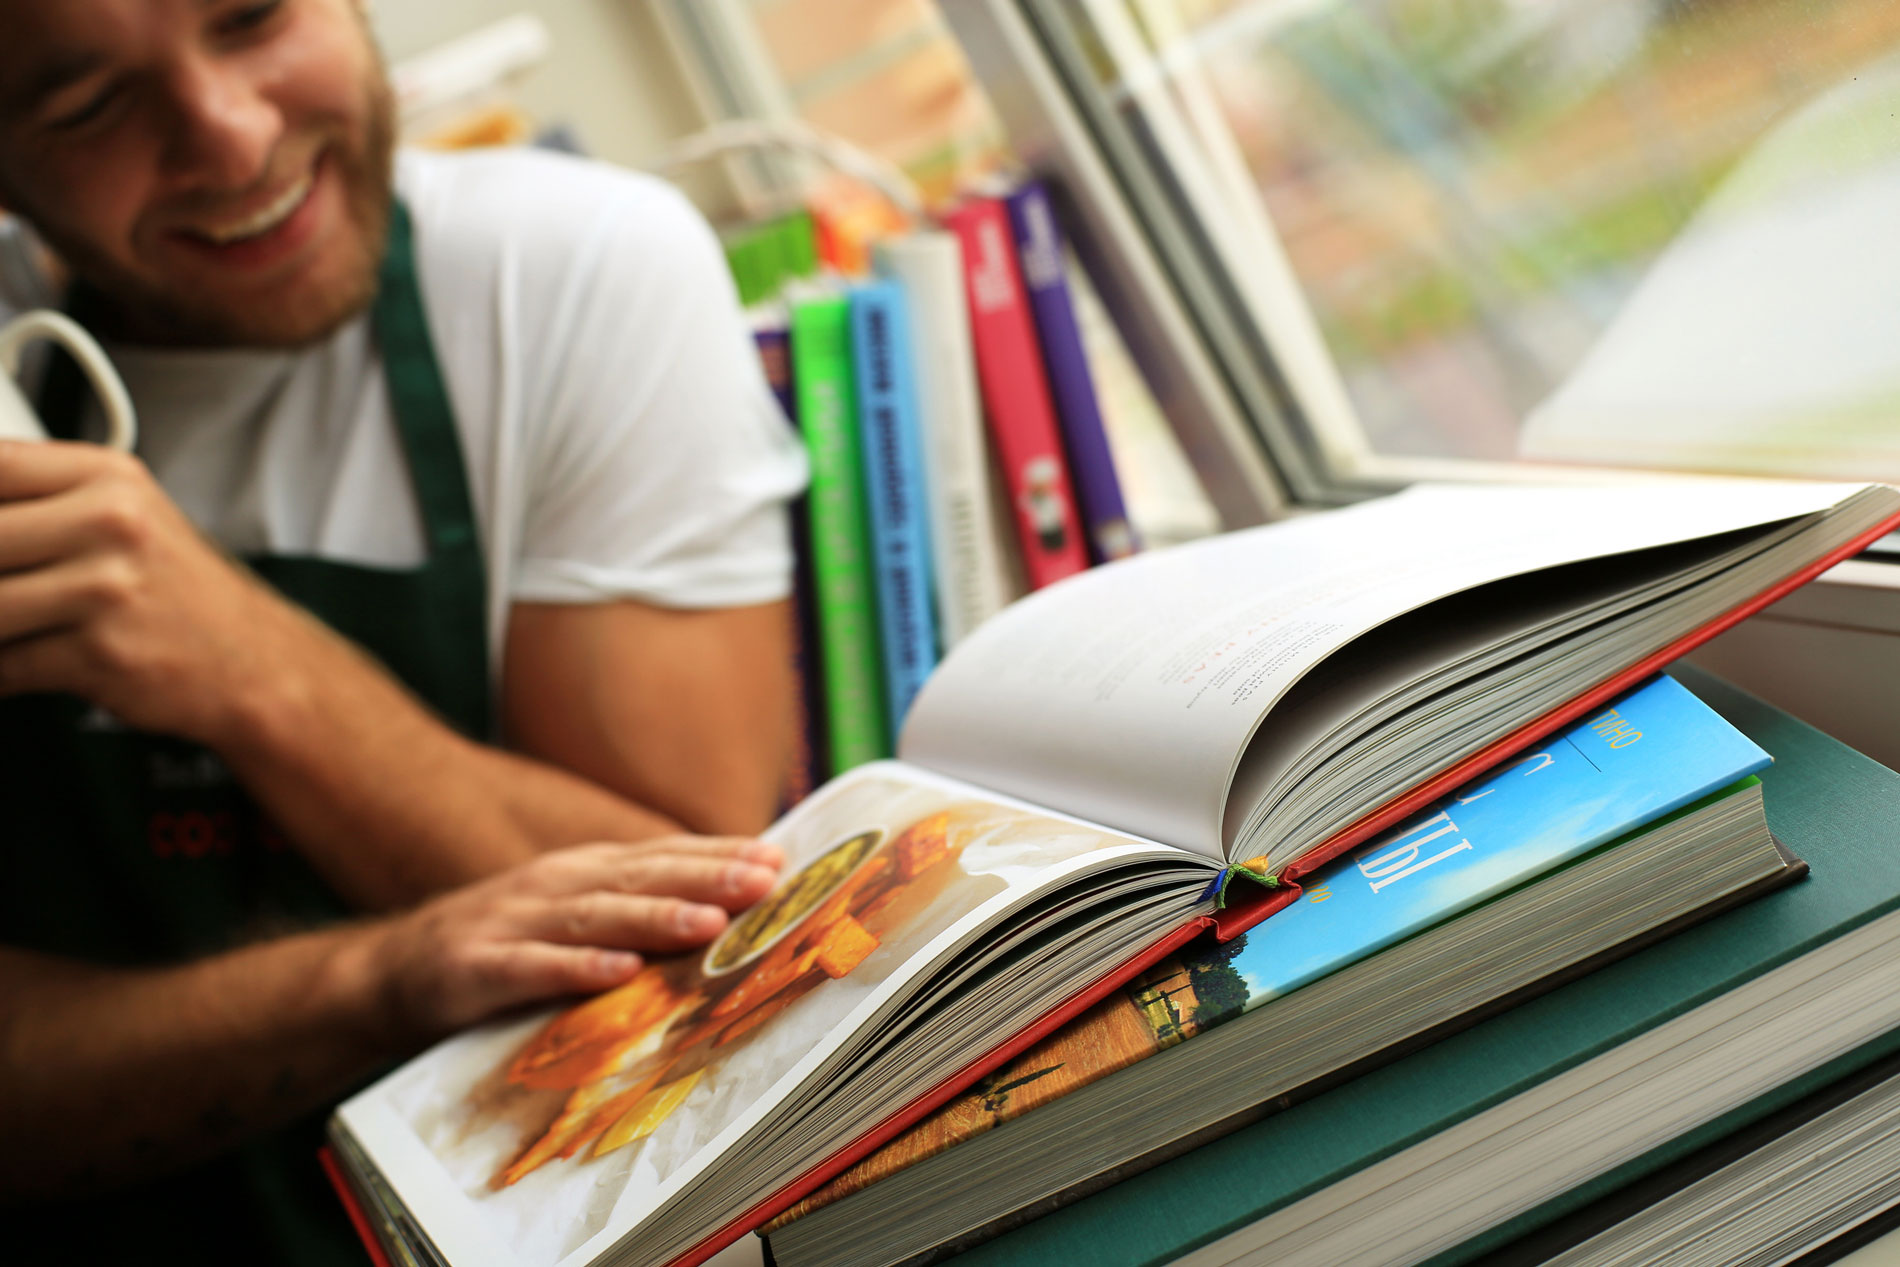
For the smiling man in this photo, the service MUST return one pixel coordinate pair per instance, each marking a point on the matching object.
(455, 535)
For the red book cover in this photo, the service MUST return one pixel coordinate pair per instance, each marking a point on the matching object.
(1016, 400)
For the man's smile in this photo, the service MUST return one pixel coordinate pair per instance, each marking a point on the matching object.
(264, 219)
(268, 231)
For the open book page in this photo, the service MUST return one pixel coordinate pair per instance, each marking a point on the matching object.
(543, 1140)
(1129, 694)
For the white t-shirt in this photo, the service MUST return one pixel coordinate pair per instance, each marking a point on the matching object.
(619, 436)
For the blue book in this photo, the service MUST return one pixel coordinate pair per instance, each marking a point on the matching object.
(894, 491)
(1657, 750)
(1032, 222)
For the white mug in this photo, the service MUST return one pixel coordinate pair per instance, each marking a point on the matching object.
(17, 419)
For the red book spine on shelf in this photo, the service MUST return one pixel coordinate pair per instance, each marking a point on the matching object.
(1016, 400)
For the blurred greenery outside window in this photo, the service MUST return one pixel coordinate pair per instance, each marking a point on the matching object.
(1645, 232)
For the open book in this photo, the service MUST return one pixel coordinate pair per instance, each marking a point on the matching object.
(1262, 702)
(1545, 868)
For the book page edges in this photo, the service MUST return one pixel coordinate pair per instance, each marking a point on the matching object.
(1461, 772)
(1226, 923)
(326, 1157)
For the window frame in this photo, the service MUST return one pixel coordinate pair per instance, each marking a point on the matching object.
(1262, 347)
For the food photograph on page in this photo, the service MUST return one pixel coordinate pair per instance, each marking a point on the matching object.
(554, 1128)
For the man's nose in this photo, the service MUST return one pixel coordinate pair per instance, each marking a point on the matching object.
(226, 125)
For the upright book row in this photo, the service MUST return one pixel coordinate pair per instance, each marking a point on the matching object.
(957, 449)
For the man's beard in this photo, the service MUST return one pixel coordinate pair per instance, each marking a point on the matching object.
(136, 311)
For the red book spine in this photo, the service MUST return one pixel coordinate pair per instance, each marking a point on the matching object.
(1022, 420)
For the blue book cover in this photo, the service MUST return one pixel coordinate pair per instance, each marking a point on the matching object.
(1656, 750)
(1032, 222)
(894, 490)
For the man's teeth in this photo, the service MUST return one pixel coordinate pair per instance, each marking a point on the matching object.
(265, 220)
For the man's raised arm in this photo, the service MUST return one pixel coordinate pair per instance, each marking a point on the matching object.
(108, 592)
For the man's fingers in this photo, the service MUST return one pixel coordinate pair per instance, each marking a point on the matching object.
(511, 974)
(30, 468)
(722, 869)
(41, 531)
(54, 597)
(730, 883)
(749, 848)
(626, 921)
(45, 662)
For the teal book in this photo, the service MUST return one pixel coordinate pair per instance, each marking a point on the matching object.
(1231, 1197)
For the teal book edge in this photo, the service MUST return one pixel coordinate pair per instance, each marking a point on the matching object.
(841, 562)
(1834, 808)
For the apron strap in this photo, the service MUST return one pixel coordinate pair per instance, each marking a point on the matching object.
(425, 424)
(431, 443)
(420, 398)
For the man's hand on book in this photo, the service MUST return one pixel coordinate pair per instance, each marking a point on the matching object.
(574, 921)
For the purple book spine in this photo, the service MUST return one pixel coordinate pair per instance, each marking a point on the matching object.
(1039, 244)
(811, 760)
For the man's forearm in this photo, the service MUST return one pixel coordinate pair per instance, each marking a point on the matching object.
(109, 1075)
(391, 805)
(105, 1071)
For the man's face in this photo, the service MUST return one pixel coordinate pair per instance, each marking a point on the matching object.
(218, 169)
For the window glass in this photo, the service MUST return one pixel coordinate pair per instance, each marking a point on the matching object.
(887, 76)
(1659, 232)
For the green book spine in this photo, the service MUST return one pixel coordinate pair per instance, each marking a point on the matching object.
(840, 541)
(1832, 807)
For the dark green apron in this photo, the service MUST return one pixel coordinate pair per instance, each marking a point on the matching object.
(130, 848)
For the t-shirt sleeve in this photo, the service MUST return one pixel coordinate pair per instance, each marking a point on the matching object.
(661, 464)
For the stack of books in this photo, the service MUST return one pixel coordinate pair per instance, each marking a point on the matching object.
(956, 440)
(1346, 890)
(1727, 1094)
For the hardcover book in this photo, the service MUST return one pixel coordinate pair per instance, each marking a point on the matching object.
(1016, 399)
(825, 388)
(1268, 702)
(1039, 245)
(972, 576)
(894, 492)
(810, 766)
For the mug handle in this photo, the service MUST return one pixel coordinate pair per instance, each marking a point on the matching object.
(121, 423)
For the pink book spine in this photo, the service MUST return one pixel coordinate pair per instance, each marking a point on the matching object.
(1016, 399)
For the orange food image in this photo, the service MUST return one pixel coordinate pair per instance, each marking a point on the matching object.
(631, 1056)
(582, 1044)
